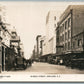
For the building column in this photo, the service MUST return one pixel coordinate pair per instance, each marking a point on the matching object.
(4, 59)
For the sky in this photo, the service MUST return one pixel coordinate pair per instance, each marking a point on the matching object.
(29, 19)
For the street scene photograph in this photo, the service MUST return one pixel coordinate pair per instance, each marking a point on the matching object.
(41, 38)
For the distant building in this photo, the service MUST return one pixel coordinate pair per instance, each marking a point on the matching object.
(35, 50)
(38, 39)
(70, 30)
(21, 50)
(43, 44)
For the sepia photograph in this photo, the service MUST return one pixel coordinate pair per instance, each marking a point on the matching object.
(41, 41)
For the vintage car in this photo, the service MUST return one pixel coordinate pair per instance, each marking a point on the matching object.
(20, 63)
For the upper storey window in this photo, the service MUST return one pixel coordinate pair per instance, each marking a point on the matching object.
(69, 22)
(66, 25)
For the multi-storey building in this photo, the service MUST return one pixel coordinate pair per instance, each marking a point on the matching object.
(34, 53)
(4, 39)
(46, 45)
(44, 49)
(69, 32)
(50, 32)
(15, 41)
(35, 49)
(9, 44)
(40, 48)
(38, 39)
(5, 36)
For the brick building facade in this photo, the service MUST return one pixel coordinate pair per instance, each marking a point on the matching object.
(70, 30)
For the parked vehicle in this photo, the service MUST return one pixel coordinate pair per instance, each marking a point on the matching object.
(73, 60)
(50, 59)
(20, 63)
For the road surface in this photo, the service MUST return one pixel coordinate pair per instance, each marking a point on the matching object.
(52, 69)
(46, 68)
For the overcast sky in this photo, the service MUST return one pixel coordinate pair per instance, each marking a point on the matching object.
(29, 19)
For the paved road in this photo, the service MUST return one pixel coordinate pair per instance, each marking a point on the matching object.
(45, 68)
(52, 69)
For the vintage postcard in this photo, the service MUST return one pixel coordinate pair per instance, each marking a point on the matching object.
(41, 41)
